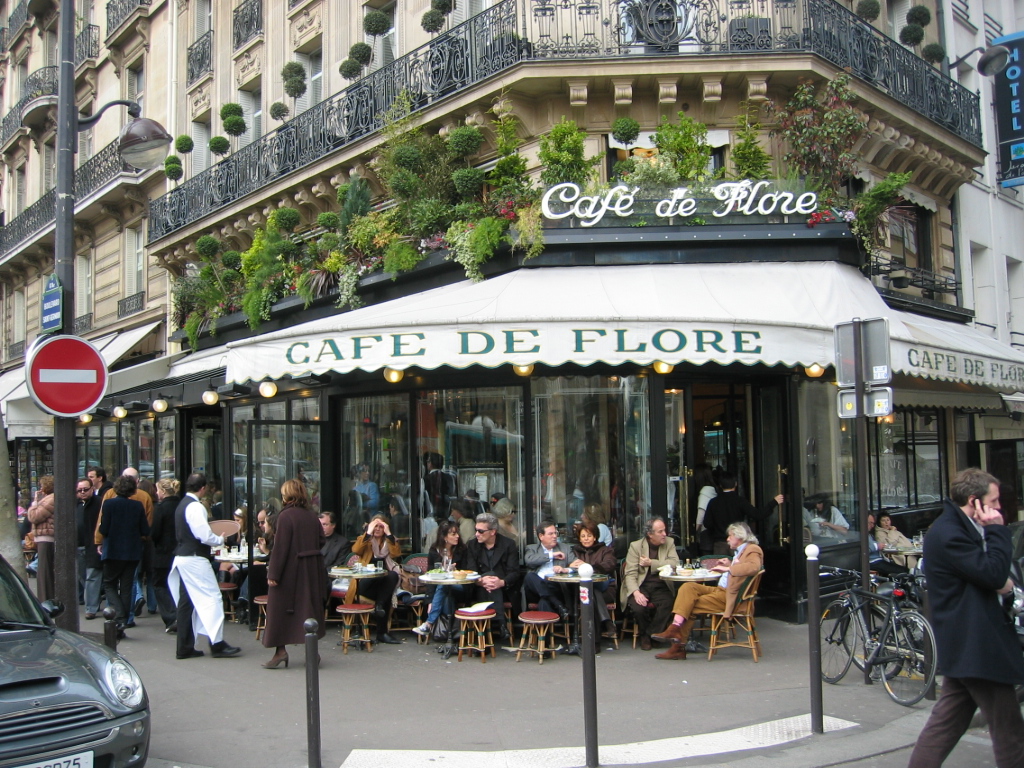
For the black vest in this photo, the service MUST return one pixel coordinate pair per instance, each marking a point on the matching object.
(188, 544)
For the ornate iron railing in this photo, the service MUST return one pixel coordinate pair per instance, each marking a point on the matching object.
(247, 22)
(15, 349)
(293, 3)
(902, 276)
(18, 17)
(36, 217)
(102, 168)
(82, 324)
(118, 12)
(87, 44)
(200, 58)
(42, 82)
(500, 37)
(3, 39)
(129, 306)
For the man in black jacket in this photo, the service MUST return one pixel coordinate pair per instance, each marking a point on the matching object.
(336, 547)
(967, 554)
(497, 560)
(730, 507)
(90, 567)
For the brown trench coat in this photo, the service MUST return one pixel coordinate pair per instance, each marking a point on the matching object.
(298, 568)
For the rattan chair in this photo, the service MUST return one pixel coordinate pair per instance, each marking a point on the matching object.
(742, 622)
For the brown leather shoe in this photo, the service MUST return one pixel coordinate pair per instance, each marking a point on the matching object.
(645, 643)
(674, 633)
(677, 651)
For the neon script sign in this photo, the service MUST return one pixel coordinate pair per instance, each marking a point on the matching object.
(746, 198)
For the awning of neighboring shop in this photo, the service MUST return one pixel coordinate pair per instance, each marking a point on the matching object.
(914, 391)
(1014, 403)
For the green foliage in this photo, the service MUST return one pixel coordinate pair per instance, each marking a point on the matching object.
(623, 168)
(919, 15)
(821, 132)
(234, 125)
(530, 227)
(869, 10)
(329, 241)
(429, 216)
(361, 52)
(173, 172)
(295, 87)
(625, 130)
(264, 272)
(231, 260)
(442, 6)
(193, 327)
(403, 183)
(654, 172)
(184, 144)
(285, 219)
(372, 233)
(401, 257)
(343, 193)
(464, 140)
(508, 178)
(468, 181)
(871, 206)
(231, 109)
(350, 69)
(219, 145)
(912, 34)
(376, 23)
(408, 157)
(293, 69)
(474, 243)
(933, 53)
(685, 144)
(432, 21)
(468, 210)
(172, 160)
(328, 220)
(356, 203)
(563, 155)
(279, 110)
(749, 158)
(208, 246)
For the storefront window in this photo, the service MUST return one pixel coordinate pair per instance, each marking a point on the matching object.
(592, 451)
(306, 409)
(166, 426)
(907, 460)
(470, 440)
(129, 456)
(240, 418)
(147, 449)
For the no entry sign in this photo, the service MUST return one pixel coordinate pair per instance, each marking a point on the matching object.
(66, 375)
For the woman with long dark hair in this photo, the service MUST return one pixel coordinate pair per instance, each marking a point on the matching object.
(448, 550)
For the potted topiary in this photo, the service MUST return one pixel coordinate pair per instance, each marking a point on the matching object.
(918, 18)
(433, 21)
(294, 76)
(184, 144)
(625, 131)
(219, 145)
(933, 53)
(279, 110)
(172, 167)
(869, 10)
(232, 116)
(376, 23)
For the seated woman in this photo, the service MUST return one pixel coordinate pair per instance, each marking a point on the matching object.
(377, 545)
(447, 548)
(889, 537)
(602, 558)
(597, 516)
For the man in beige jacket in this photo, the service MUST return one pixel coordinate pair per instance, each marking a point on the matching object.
(642, 590)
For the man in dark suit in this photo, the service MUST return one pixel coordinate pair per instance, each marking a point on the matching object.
(336, 547)
(967, 554)
(730, 507)
(497, 560)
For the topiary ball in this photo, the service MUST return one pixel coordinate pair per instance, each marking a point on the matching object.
(468, 181)
(869, 10)
(231, 260)
(343, 193)
(219, 145)
(432, 21)
(933, 53)
(464, 140)
(328, 220)
(286, 219)
(625, 130)
(279, 110)
(234, 125)
(404, 183)
(919, 15)
(443, 6)
(184, 144)
(231, 109)
(207, 246)
(350, 69)
(293, 69)
(407, 156)
(173, 172)
(376, 23)
(288, 248)
(172, 160)
(295, 87)
(912, 35)
(361, 52)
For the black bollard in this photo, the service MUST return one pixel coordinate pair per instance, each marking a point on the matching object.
(312, 693)
(109, 628)
(589, 666)
(814, 635)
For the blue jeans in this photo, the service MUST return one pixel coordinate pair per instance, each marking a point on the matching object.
(443, 600)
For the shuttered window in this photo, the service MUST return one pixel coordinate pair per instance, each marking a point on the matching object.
(136, 85)
(83, 285)
(19, 320)
(19, 190)
(49, 158)
(385, 47)
(134, 262)
(313, 63)
(898, 16)
(201, 148)
(203, 18)
(467, 9)
(85, 147)
(252, 112)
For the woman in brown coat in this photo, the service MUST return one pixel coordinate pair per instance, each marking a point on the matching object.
(295, 574)
(40, 514)
(602, 558)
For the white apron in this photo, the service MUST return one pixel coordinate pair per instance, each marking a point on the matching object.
(201, 583)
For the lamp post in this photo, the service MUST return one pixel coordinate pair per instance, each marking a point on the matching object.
(143, 144)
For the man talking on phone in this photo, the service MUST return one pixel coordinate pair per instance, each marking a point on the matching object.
(967, 554)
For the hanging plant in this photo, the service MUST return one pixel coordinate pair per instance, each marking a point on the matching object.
(871, 206)
(279, 110)
(869, 10)
(625, 130)
(350, 69)
(184, 144)
(432, 21)
(376, 23)
(219, 145)
(361, 52)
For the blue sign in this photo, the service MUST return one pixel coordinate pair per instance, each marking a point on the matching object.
(53, 300)
(1009, 98)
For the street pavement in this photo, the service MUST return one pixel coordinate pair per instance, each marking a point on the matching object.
(406, 706)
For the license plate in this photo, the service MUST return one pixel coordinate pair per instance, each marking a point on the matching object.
(81, 760)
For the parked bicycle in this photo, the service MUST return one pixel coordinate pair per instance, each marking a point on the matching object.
(878, 630)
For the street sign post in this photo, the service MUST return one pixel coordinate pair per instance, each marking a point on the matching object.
(877, 402)
(66, 376)
(875, 354)
(53, 301)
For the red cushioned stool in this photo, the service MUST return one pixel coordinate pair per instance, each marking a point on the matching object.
(475, 633)
(536, 626)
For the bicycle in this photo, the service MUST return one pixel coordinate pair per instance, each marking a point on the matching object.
(876, 630)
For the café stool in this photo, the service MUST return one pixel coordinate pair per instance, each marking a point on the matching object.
(536, 628)
(227, 591)
(475, 633)
(355, 616)
(261, 617)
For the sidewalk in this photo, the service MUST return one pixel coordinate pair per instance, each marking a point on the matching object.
(225, 713)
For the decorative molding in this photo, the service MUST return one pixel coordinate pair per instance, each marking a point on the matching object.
(249, 66)
(668, 90)
(138, 202)
(85, 235)
(257, 219)
(578, 92)
(142, 27)
(757, 87)
(325, 190)
(306, 25)
(622, 88)
(114, 213)
(200, 99)
(182, 6)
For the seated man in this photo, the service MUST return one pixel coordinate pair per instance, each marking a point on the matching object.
(497, 560)
(336, 547)
(544, 558)
(642, 590)
(693, 597)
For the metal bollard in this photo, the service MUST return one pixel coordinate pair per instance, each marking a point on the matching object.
(814, 636)
(589, 664)
(312, 693)
(109, 628)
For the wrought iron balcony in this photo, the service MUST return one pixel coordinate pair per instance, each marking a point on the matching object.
(87, 45)
(42, 82)
(118, 12)
(15, 350)
(82, 324)
(199, 59)
(102, 168)
(129, 306)
(901, 276)
(502, 36)
(3, 39)
(247, 23)
(17, 18)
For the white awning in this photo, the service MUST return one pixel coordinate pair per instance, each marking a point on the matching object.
(122, 344)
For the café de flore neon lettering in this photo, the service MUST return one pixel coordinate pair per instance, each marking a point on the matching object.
(467, 344)
(745, 198)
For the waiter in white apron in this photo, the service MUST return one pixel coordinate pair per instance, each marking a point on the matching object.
(192, 579)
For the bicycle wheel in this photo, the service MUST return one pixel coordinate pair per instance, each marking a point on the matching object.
(859, 650)
(912, 671)
(835, 652)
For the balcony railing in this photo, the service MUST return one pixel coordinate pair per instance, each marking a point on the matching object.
(200, 58)
(118, 12)
(499, 38)
(87, 45)
(129, 306)
(18, 18)
(248, 22)
(42, 82)
(102, 168)
(15, 350)
(82, 324)
(3, 39)
(901, 276)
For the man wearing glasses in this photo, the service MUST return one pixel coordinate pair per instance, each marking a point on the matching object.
(497, 560)
(90, 567)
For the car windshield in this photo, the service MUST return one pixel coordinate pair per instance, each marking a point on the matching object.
(16, 603)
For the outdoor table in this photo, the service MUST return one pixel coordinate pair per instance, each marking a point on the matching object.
(574, 628)
(354, 575)
(448, 646)
(912, 551)
(698, 575)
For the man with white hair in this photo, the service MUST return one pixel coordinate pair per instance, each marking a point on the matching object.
(693, 597)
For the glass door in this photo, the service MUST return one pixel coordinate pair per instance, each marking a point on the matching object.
(279, 451)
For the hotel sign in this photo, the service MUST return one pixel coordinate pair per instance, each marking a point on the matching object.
(1009, 99)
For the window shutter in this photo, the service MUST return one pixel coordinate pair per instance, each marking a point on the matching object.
(303, 102)
(50, 41)
(131, 270)
(245, 101)
(256, 129)
(899, 16)
(316, 77)
(49, 161)
(84, 146)
(83, 285)
(201, 150)
(202, 18)
(465, 10)
(19, 317)
(19, 190)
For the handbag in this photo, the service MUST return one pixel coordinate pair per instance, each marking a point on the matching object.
(441, 628)
(409, 578)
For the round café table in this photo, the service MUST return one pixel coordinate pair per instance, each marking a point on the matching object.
(574, 624)
(448, 647)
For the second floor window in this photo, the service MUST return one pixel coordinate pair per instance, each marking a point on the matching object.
(136, 85)
(201, 147)
(18, 322)
(385, 47)
(909, 236)
(252, 111)
(83, 285)
(203, 17)
(19, 190)
(313, 63)
(134, 262)
(49, 158)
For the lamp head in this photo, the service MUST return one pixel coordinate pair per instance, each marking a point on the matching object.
(994, 60)
(144, 143)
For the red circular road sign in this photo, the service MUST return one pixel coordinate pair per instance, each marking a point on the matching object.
(66, 375)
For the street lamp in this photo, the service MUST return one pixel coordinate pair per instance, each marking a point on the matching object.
(993, 59)
(143, 144)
